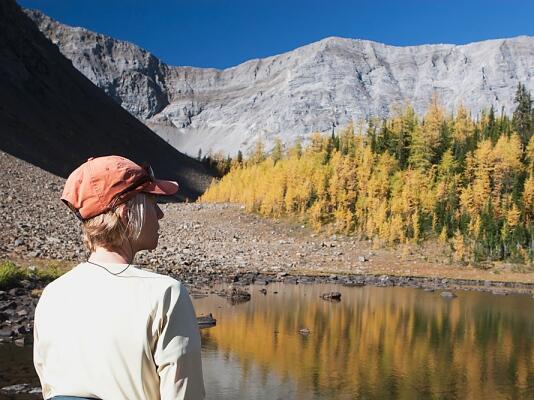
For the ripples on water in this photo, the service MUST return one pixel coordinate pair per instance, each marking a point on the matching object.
(377, 343)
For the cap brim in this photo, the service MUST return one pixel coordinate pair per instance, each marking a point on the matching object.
(161, 187)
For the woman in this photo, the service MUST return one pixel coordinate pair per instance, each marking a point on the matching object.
(106, 329)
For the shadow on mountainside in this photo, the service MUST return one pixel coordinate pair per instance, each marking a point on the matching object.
(55, 118)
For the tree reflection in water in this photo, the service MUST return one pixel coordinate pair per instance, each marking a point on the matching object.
(377, 343)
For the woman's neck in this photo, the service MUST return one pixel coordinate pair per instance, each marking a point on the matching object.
(124, 255)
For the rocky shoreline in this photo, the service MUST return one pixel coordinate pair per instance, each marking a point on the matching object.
(17, 305)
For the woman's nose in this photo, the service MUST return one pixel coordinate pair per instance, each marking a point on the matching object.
(159, 212)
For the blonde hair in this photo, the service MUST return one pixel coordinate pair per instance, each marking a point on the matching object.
(108, 231)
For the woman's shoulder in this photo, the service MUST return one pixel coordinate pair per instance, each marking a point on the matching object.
(158, 278)
(158, 282)
(109, 275)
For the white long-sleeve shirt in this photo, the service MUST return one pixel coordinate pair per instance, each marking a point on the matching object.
(131, 336)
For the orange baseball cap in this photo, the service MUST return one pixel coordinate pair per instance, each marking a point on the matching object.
(102, 183)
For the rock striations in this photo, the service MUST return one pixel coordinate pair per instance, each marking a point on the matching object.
(313, 88)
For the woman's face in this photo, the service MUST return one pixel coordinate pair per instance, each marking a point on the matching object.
(148, 238)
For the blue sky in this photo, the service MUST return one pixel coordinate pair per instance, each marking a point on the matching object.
(221, 33)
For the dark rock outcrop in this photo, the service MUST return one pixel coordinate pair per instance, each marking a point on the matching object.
(54, 117)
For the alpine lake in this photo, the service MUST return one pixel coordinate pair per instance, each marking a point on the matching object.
(376, 343)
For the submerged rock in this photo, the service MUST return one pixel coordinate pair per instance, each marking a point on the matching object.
(206, 321)
(351, 283)
(448, 295)
(331, 296)
(235, 295)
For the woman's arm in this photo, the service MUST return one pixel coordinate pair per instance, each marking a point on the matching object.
(177, 353)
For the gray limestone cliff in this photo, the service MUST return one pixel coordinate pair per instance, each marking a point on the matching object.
(313, 88)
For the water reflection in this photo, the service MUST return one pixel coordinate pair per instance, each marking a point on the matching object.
(377, 343)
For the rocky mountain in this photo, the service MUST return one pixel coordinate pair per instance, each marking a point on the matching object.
(313, 88)
(55, 118)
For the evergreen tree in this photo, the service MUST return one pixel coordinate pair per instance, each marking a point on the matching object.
(420, 150)
(463, 129)
(402, 147)
(372, 134)
(346, 141)
(433, 126)
(383, 138)
(277, 152)
(335, 140)
(522, 116)
(296, 150)
(258, 155)
(402, 126)
(490, 129)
